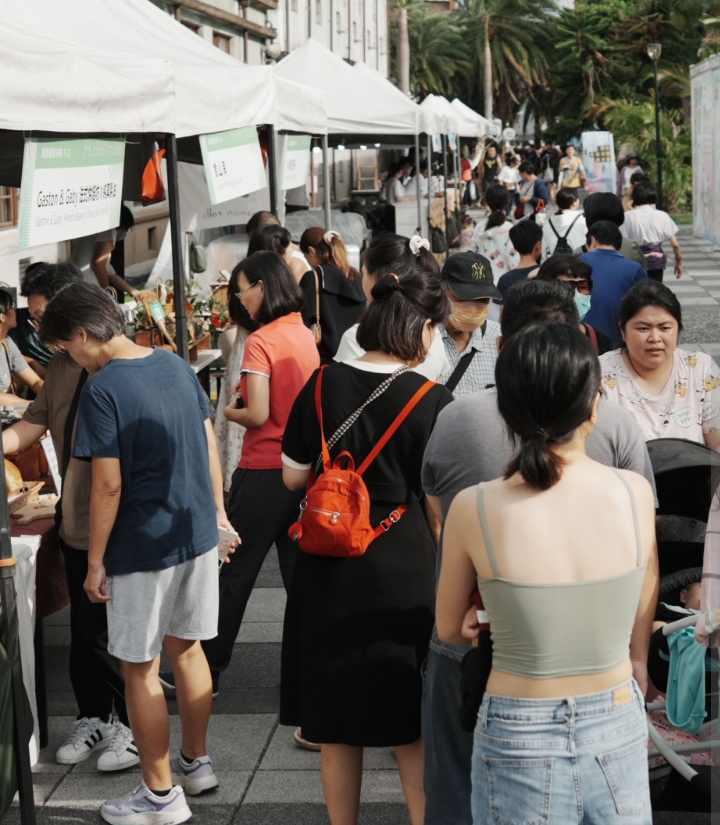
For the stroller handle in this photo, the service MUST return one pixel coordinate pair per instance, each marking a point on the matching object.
(680, 624)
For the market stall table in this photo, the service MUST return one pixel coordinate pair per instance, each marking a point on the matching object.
(51, 596)
(201, 367)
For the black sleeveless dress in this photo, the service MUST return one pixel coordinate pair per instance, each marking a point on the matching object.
(357, 630)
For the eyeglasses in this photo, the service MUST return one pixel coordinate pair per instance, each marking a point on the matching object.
(584, 286)
(241, 292)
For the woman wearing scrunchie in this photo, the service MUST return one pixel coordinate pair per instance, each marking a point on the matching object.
(332, 286)
(380, 258)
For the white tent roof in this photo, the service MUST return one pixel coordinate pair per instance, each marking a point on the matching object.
(48, 87)
(429, 122)
(213, 91)
(488, 127)
(448, 120)
(355, 103)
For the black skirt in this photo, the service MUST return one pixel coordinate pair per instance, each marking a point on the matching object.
(356, 635)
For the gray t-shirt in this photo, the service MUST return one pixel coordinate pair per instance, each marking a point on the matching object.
(11, 363)
(470, 444)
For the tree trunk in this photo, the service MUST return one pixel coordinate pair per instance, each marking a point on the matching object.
(488, 79)
(403, 51)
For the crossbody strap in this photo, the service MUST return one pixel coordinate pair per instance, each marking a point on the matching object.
(593, 337)
(317, 294)
(70, 423)
(462, 365)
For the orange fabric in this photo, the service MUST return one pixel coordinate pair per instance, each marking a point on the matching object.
(335, 514)
(153, 186)
(284, 351)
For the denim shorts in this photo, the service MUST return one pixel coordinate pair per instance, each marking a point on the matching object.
(582, 759)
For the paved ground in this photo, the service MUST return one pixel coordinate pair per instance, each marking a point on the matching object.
(265, 779)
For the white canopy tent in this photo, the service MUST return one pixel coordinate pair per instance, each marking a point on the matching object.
(488, 127)
(446, 116)
(214, 92)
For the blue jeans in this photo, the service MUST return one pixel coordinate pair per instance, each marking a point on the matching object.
(448, 748)
(559, 761)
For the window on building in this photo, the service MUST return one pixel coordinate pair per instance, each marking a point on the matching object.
(192, 26)
(152, 238)
(8, 207)
(222, 41)
(355, 37)
(293, 5)
(318, 12)
(380, 45)
(338, 22)
(369, 39)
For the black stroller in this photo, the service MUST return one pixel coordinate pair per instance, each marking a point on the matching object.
(687, 475)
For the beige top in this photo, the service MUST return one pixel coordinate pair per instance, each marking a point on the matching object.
(50, 409)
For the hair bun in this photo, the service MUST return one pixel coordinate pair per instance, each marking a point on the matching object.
(386, 286)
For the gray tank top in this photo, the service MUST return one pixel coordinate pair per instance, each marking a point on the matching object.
(544, 631)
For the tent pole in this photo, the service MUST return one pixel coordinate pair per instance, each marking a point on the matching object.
(181, 335)
(417, 181)
(326, 181)
(430, 177)
(445, 175)
(272, 169)
(21, 725)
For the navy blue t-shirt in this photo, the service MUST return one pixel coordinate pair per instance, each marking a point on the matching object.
(612, 276)
(150, 413)
(514, 277)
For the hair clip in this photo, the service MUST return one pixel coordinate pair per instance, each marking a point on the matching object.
(330, 234)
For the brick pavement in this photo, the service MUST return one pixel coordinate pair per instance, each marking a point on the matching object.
(265, 779)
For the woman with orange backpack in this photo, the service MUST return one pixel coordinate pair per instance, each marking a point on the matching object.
(361, 603)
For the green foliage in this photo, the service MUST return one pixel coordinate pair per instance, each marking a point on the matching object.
(436, 50)
(634, 122)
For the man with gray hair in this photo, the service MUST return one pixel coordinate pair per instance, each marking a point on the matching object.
(155, 507)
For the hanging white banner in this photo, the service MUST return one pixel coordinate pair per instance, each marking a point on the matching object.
(233, 163)
(69, 188)
(436, 143)
(295, 161)
(599, 161)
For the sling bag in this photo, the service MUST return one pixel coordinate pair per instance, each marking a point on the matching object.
(462, 365)
(335, 513)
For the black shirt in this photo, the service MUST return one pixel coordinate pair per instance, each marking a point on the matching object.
(604, 342)
(27, 339)
(514, 277)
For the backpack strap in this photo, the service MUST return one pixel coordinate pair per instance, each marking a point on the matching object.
(404, 413)
(318, 407)
(593, 337)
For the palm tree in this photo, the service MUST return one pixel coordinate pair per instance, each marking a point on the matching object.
(436, 51)
(511, 36)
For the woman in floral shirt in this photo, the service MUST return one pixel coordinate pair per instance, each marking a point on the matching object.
(671, 392)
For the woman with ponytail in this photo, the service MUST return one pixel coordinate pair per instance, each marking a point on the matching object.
(561, 727)
(334, 298)
(357, 629)
(492, 238)
(382, 256)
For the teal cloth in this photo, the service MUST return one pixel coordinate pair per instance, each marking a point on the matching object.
(685, 704)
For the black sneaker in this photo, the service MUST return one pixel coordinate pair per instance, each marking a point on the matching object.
(167, 680)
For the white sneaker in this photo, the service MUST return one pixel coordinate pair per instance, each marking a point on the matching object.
(88, 736)
(122, 752)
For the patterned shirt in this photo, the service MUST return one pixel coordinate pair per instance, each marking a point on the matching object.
(688, 406)
(481, 372)
(11, 361)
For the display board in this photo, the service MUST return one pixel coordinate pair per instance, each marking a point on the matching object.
(295, 161)
(598, 157)
(233, 163)
(705, 85)
(70, 188)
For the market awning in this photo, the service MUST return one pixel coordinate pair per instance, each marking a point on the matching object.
(447, 119)
(470, 115)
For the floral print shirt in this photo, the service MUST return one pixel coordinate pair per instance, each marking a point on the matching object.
(688, 407)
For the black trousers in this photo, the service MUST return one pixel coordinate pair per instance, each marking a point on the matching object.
(656, 274)
(95, 675)
(261, 510)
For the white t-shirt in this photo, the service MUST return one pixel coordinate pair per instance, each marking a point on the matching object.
(412, 186)
(646, 224)
(576, 237)
(509, 175)
(431, 368)
(392, 190)
(83, 254)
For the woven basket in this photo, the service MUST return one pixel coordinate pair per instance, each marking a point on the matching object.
(29, 492)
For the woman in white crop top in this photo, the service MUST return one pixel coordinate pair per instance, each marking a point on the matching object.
(563, 551)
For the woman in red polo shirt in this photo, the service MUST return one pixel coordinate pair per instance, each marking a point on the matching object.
(278, 361)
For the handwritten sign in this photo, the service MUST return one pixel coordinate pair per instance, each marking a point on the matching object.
(233, 163)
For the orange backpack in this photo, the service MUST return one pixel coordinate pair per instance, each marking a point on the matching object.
(335, 513)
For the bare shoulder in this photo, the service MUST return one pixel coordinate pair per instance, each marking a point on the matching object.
(463, 506)
(641, 488)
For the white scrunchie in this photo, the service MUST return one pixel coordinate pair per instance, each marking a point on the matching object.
(417, 243)
(330, 234)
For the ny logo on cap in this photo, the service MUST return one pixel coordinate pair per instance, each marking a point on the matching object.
(478, 272)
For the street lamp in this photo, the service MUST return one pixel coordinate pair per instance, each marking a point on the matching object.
(654, 50)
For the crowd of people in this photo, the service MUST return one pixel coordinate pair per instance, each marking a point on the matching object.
(415, 440)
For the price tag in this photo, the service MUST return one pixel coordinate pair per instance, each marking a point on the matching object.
(158, 313)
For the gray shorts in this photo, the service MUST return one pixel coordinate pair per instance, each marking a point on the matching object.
(179, 601)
